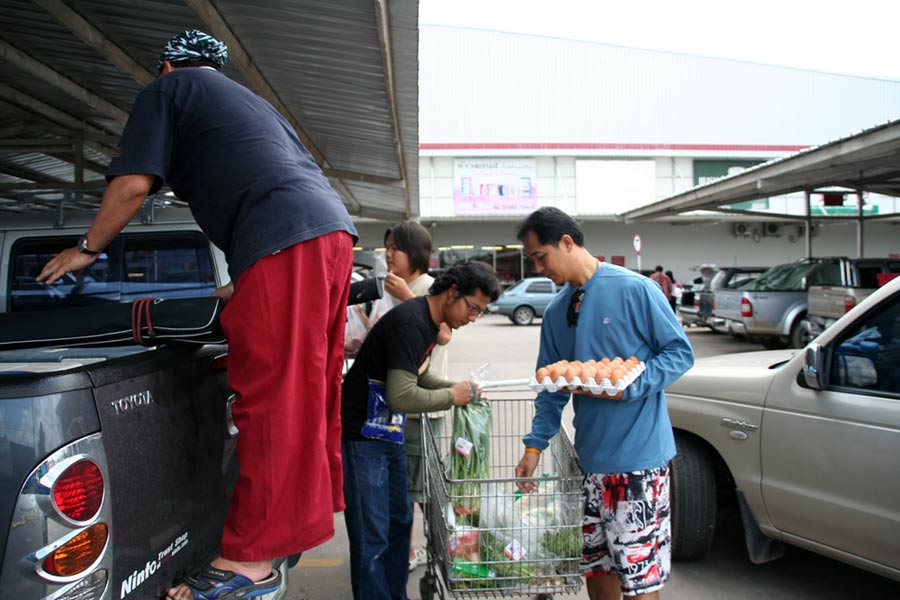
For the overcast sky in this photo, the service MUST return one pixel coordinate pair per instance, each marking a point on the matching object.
(856, 37)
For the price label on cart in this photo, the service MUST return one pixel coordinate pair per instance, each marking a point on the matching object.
(514, 551)
(463, 446)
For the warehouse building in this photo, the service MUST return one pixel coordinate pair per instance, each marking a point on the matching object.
(510, 122)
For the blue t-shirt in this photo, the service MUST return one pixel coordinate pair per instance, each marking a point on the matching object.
(621, 314)
(251, 185)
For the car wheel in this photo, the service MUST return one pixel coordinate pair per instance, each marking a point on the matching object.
(693, 499)
(523, 315)
(799, 337)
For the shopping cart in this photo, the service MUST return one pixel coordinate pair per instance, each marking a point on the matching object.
(484, 538)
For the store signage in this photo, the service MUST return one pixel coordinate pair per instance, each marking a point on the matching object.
(494, 186)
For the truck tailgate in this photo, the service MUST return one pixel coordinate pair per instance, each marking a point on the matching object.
(162, 416)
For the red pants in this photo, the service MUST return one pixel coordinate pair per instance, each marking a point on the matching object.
(285, 329)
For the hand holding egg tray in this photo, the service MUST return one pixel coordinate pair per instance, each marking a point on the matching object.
(606, 377)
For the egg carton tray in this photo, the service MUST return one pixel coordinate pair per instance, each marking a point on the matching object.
(594, 387)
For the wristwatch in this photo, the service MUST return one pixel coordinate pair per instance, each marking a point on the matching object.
(83, 248)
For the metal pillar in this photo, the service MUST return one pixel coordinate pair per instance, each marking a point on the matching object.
(859, 224)
(808, 225)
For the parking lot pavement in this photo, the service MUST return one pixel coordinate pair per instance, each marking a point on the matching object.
(726, 573)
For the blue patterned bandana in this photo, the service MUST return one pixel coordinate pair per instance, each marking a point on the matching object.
(193, 44)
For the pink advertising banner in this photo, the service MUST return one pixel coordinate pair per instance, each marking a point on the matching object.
(494, 186)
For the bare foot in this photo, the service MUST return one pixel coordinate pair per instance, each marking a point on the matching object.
(255, 571)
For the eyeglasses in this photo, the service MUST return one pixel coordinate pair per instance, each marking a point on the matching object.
(473, 310)
(574, 307)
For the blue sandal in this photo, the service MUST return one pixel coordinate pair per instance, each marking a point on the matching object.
(218, 584)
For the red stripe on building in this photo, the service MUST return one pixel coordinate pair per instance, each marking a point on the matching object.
(612, 146)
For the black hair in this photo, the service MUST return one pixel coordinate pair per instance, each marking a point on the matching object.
(468, 277)
(549, 224)
(415, 240)
(670, 275)
(196, 61)
(658, 269)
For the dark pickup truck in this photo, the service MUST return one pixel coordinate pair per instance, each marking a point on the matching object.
(116, 461)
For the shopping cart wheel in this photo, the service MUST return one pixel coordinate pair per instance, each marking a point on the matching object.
(427, 587)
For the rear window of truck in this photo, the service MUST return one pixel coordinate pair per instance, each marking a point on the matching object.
(169, 265)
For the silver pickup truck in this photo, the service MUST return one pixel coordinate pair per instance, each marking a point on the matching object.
(826, 303)
(806, 444)
(771, 308)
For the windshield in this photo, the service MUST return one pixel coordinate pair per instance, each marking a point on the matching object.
(789, 277)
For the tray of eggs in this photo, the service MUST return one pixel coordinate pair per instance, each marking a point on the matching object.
(607, 375)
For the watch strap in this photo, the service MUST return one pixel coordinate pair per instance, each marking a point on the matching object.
(83, 248)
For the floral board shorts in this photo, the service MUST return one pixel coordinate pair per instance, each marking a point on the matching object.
(627, 528)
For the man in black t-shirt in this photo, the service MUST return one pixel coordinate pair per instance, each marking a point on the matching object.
(258, 194)
(396, 354)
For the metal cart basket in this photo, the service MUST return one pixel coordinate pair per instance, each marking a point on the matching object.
(484, 538)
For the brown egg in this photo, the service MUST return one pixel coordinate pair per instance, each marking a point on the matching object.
(616, 375)
(571, 373)
(604, 361)
(616, 361)
(541, 374)
(587, 372)
(602, 373)
(592, 363)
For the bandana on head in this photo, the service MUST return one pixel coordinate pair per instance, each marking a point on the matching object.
(193, 44)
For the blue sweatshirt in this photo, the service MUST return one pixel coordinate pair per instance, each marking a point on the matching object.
(622, 314)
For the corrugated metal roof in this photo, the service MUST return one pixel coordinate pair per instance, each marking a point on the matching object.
(492, 87)
(345, 74)
(865, 161)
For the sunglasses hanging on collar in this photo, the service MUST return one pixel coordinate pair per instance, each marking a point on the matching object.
(574, 307)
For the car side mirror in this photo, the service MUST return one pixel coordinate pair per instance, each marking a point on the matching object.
(814, 367)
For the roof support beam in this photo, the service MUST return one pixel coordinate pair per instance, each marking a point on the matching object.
(384, 39)
(93, 185)
(38, 69)
(42, 109)
(29, 174)
(91, 36)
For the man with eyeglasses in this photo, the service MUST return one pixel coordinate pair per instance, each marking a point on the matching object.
(392, 364)
(624, 442)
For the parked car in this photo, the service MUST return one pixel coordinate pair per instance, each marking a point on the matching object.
(688, 306)
(525, 300)
(826, 303)
(807, 442)
(771, 308)
(726, 278)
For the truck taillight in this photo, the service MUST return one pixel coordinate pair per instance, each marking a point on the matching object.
(746, 308)
(849, 302)
(78, 554)
(78, 492)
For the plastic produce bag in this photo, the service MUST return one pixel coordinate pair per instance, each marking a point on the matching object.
(355, 331)
(469, 457)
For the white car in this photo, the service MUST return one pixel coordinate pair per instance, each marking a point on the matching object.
(807, 440)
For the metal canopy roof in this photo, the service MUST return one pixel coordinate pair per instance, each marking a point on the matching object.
(344, 74)
(867, 161)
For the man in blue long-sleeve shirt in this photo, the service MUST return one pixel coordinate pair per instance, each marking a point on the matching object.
(624, 442)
